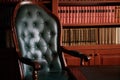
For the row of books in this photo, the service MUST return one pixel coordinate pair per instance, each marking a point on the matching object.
(79, 36)
(90, 36)
(89, 14)
(107, 35)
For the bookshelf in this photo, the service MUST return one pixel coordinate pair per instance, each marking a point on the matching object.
(91, 27)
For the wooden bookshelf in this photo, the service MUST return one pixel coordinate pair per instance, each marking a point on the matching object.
(105, 50)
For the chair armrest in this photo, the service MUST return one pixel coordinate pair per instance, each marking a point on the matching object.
(75, 54)
(30, 62)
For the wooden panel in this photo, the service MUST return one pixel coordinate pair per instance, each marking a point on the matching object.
(108, 51)
(72, 61)
(55, 7)
(107, 57)
(110, 60)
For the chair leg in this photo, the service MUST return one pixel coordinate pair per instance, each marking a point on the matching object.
(35, 75)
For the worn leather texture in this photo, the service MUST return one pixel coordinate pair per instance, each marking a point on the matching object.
(37, 34)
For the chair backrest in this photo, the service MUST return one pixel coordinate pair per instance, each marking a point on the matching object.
(37, 36)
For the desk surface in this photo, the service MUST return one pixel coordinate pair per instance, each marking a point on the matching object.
(97, 72)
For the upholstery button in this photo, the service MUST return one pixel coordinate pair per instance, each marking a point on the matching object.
(27, 46)
(37, 46)
(52, 33)
(31, 35)
(23, 35)
(54, 54)
(29, 14)
(35, 24)
(38, 13)
(46, 22)
(44, 56)
(35, 56)
(49, 44)
(25, 24)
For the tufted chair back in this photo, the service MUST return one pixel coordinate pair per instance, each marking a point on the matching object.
(37, 37)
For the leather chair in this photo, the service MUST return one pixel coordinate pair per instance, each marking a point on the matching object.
(37, 33)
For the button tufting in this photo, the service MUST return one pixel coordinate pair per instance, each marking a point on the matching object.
(38, 33)
(38, 13)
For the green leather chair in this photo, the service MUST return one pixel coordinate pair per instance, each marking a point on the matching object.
(36, 33)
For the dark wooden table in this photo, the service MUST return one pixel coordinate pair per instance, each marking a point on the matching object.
(97, 72)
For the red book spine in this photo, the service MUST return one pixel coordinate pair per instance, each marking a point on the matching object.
(113, 14)
(64, 15)
(80, 18)
(116, 14)
(107, 14)
(82, 14)
(94, 15)
(74, 14)
(99, 14)
(67, 15)
(77, 14)
(61, 14)
(85, 14)
(104, 14)
(100, 11)
(91, 15)
(70, 14)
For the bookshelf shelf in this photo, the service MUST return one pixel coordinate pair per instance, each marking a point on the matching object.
(92, 25)
(94, 47)
(88, 3)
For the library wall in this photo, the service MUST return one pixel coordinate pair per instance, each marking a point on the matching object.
(91, 27)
